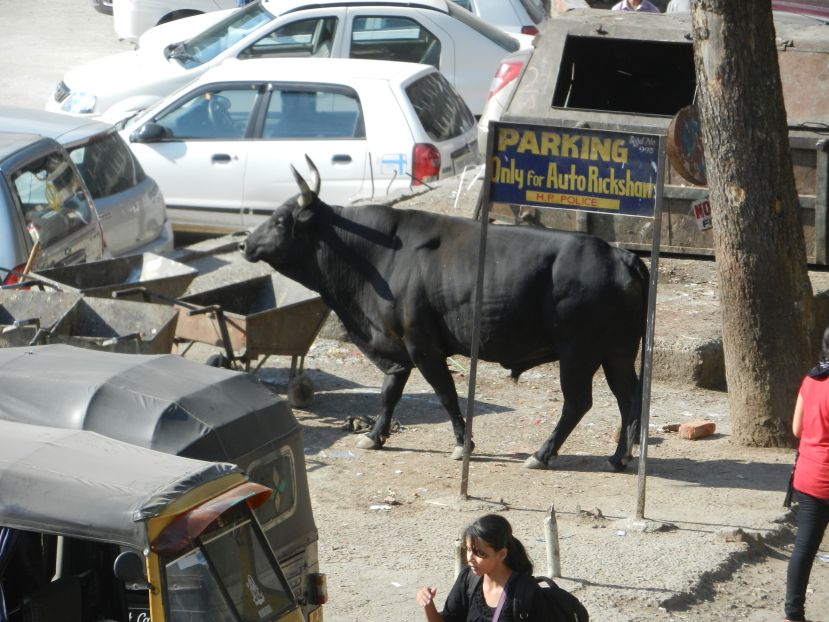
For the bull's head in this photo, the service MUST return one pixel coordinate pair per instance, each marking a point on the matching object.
(277, 240)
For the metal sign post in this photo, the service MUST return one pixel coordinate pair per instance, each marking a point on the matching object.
(647, 353)
(476, 329)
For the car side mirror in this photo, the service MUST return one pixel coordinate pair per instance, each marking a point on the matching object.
(149, 133)
(129, 568)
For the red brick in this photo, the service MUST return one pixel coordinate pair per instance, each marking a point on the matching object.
(692, 430)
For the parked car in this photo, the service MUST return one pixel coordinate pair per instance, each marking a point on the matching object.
(134, 17)
(129, 204)
(47, 217)
(435, 32)
(221, 147)
(526, 17)
(500, 92)
(98, 529)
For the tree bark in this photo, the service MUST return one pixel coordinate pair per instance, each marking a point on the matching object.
(765, 291)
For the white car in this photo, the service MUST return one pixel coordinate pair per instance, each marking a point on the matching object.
(131, 18)
(435, 32)
(526, 17)
(221, 147)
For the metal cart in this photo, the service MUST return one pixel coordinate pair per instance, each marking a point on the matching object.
(259, 317)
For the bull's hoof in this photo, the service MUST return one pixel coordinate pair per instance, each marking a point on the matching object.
(534, 463)
(618, 464)
(366, 442)
(457, 453)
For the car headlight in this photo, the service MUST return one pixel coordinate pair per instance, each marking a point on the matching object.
(79, 103)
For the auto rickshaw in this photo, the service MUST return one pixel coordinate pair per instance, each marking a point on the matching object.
(175, 405)
(92, 528)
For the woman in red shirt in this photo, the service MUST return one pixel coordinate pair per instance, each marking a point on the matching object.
(811, 480)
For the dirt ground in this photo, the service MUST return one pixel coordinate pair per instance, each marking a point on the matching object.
(715, 540)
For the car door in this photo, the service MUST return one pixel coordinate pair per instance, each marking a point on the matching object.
(199, 162)
(324, 122)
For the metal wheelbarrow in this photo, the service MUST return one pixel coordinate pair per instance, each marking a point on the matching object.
(154, 273)
(259, 317)
(122, 326)
(27, 316)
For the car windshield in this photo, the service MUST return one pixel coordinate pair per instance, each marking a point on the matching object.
(208, 44)
(230, 574)
(441, 111)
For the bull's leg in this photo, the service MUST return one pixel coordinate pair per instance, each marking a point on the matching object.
(622, 380)
(390, 393)
(577, 387)
(435, 371)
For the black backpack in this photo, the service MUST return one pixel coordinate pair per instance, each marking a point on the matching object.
(555, 603)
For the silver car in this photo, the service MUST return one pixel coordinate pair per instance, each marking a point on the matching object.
(129, 204)
(47, 217)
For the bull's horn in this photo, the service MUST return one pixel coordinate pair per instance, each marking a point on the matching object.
(306, 197)
(315, 175)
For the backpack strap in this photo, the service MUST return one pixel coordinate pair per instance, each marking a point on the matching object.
(524, 589)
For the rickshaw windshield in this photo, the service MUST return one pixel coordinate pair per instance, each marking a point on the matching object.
(228, 575)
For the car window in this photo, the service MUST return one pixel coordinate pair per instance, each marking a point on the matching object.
(464, 3)
(206, 45)
(52, 197)
(279, 476)
(306, 37)
(107, 166)
(394, 38)
(496, 35)
(309, 113)
(217, 114)
(440, 109)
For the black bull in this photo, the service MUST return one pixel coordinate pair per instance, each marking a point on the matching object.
(402, 282)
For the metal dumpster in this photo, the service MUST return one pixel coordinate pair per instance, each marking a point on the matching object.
(623, 71)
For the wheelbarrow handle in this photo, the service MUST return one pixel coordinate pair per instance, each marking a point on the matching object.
(220, 318)
(146, 295)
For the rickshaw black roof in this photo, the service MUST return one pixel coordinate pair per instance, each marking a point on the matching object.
(85, 485)
(162, 402)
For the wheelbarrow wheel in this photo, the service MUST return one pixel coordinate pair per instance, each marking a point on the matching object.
(300, 391)
(218, 360)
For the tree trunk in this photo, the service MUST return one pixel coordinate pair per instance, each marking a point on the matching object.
(765, 292)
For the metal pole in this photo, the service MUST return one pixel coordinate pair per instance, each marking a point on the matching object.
(647, 354)
(476, 321)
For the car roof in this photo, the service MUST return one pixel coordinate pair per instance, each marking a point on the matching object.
(286, 6)
(81, 484)
(163, 402)
(64, 128)
(335, 70)
(12, 142)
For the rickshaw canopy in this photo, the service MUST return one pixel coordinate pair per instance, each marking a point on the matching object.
(81, 484)
(162, 402)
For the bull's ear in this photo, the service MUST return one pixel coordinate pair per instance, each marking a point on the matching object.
(306, 195)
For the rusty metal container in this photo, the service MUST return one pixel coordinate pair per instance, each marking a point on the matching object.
(626, 71)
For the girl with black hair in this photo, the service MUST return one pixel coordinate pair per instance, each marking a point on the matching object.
(495, 558)
(811, 480)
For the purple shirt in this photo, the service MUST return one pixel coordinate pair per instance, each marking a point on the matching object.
(645, 7)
